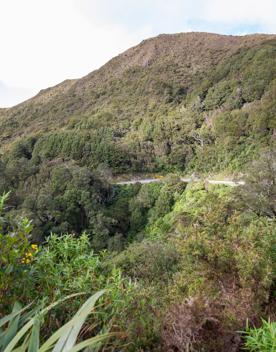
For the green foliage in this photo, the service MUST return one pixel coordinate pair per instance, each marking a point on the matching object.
(140, 206)
(119, 207)
(213, 238)
(135, 208)
(73, 258)
(195, 240)
(148, 261)
(227, 260)
(169, 194)
(25, 325)
(23, 149)
(217, 95)
(259, 192)
(16, 251)
(63, 266)
(262, 339)
(87, 147)
(63, 198)
(66, 257)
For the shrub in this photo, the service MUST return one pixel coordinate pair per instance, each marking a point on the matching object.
(64, 198)
(67, 265)
(61, 259)
(259, 192)
(218, 94)
(148, 261)
(196, 325)
(141, 204)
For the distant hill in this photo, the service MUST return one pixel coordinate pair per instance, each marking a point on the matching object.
(191, 100)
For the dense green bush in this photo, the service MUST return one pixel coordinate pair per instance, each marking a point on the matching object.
(71, 257)
(140, 206)
(218, 95)
(65, 265)
(148, 261)
(213, 237)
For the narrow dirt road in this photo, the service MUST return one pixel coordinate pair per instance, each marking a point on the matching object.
(230, 183)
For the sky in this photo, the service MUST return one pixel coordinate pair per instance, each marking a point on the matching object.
(44, 42)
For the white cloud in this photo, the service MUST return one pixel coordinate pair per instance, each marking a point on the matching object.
(46, 41)
(241, 12)
(156, 15)
(170, 16)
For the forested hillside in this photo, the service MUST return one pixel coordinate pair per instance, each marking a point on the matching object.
(186, 267)
(192, 102)
(197, 101)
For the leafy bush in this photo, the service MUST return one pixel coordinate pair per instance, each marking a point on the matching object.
(217, 95)
(89, 147)
(61, 259)
(148, 261)
(215, 238)
(141, 205)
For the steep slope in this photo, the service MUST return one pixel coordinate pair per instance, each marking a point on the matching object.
(168, 102)
(174, 60)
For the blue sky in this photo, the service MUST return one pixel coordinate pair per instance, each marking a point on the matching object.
(44, 42)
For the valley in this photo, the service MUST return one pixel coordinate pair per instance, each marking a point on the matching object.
(149, 185)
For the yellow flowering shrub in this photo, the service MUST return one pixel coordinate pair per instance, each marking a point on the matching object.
(29, 255)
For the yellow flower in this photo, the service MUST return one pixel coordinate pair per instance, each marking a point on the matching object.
(28, 256)
(25, 260)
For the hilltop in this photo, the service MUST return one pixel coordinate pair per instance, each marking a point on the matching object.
(156, 104)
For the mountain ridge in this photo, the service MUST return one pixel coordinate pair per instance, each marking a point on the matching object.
(175, 84)
(246, 39)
